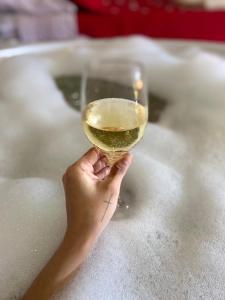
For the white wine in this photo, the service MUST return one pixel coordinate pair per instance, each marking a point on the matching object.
(114, 124)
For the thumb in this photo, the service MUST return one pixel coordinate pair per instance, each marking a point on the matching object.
(119, 170)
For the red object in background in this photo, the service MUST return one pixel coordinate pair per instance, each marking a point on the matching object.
(116, 6)
(159, 19)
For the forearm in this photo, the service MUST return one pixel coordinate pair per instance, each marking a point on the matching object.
(91, 199)
(64, 263)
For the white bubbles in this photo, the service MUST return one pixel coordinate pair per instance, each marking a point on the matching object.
(37, 144)
(171, 243)
(32, 222)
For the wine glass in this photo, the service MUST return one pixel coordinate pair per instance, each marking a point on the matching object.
(114, 107)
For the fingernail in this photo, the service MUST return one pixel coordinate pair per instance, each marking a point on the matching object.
(124, 162)
(104, 159)
(127, 158)
(97, 151)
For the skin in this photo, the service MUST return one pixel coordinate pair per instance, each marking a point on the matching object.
(91, 192)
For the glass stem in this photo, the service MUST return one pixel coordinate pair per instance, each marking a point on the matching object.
(112, 156)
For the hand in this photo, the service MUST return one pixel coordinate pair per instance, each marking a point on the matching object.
(92, 191)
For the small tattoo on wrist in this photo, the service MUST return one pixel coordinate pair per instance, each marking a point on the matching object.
(108, 203)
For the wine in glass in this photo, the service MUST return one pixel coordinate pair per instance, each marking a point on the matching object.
(114, 106)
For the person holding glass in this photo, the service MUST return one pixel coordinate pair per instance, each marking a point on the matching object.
(91, 191)
(114, 116)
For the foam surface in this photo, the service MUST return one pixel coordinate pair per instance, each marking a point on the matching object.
(171, 246)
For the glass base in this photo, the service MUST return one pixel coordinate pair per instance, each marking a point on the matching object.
(122, 204)
(126, 205)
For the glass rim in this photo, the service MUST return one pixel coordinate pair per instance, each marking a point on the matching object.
(114, 62)
(105, 65)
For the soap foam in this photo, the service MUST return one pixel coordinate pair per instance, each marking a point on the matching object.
(171, 245)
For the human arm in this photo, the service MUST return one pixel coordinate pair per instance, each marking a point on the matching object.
(91, 192)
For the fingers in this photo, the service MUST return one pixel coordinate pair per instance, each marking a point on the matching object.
(119, 169)
(92, 156)
(103, 173)
(100, 164)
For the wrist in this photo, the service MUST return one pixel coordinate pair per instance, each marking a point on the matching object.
(79, 242)
(82, 232)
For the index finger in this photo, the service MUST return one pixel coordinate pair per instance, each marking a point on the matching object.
(92, 156)
(119, 170)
